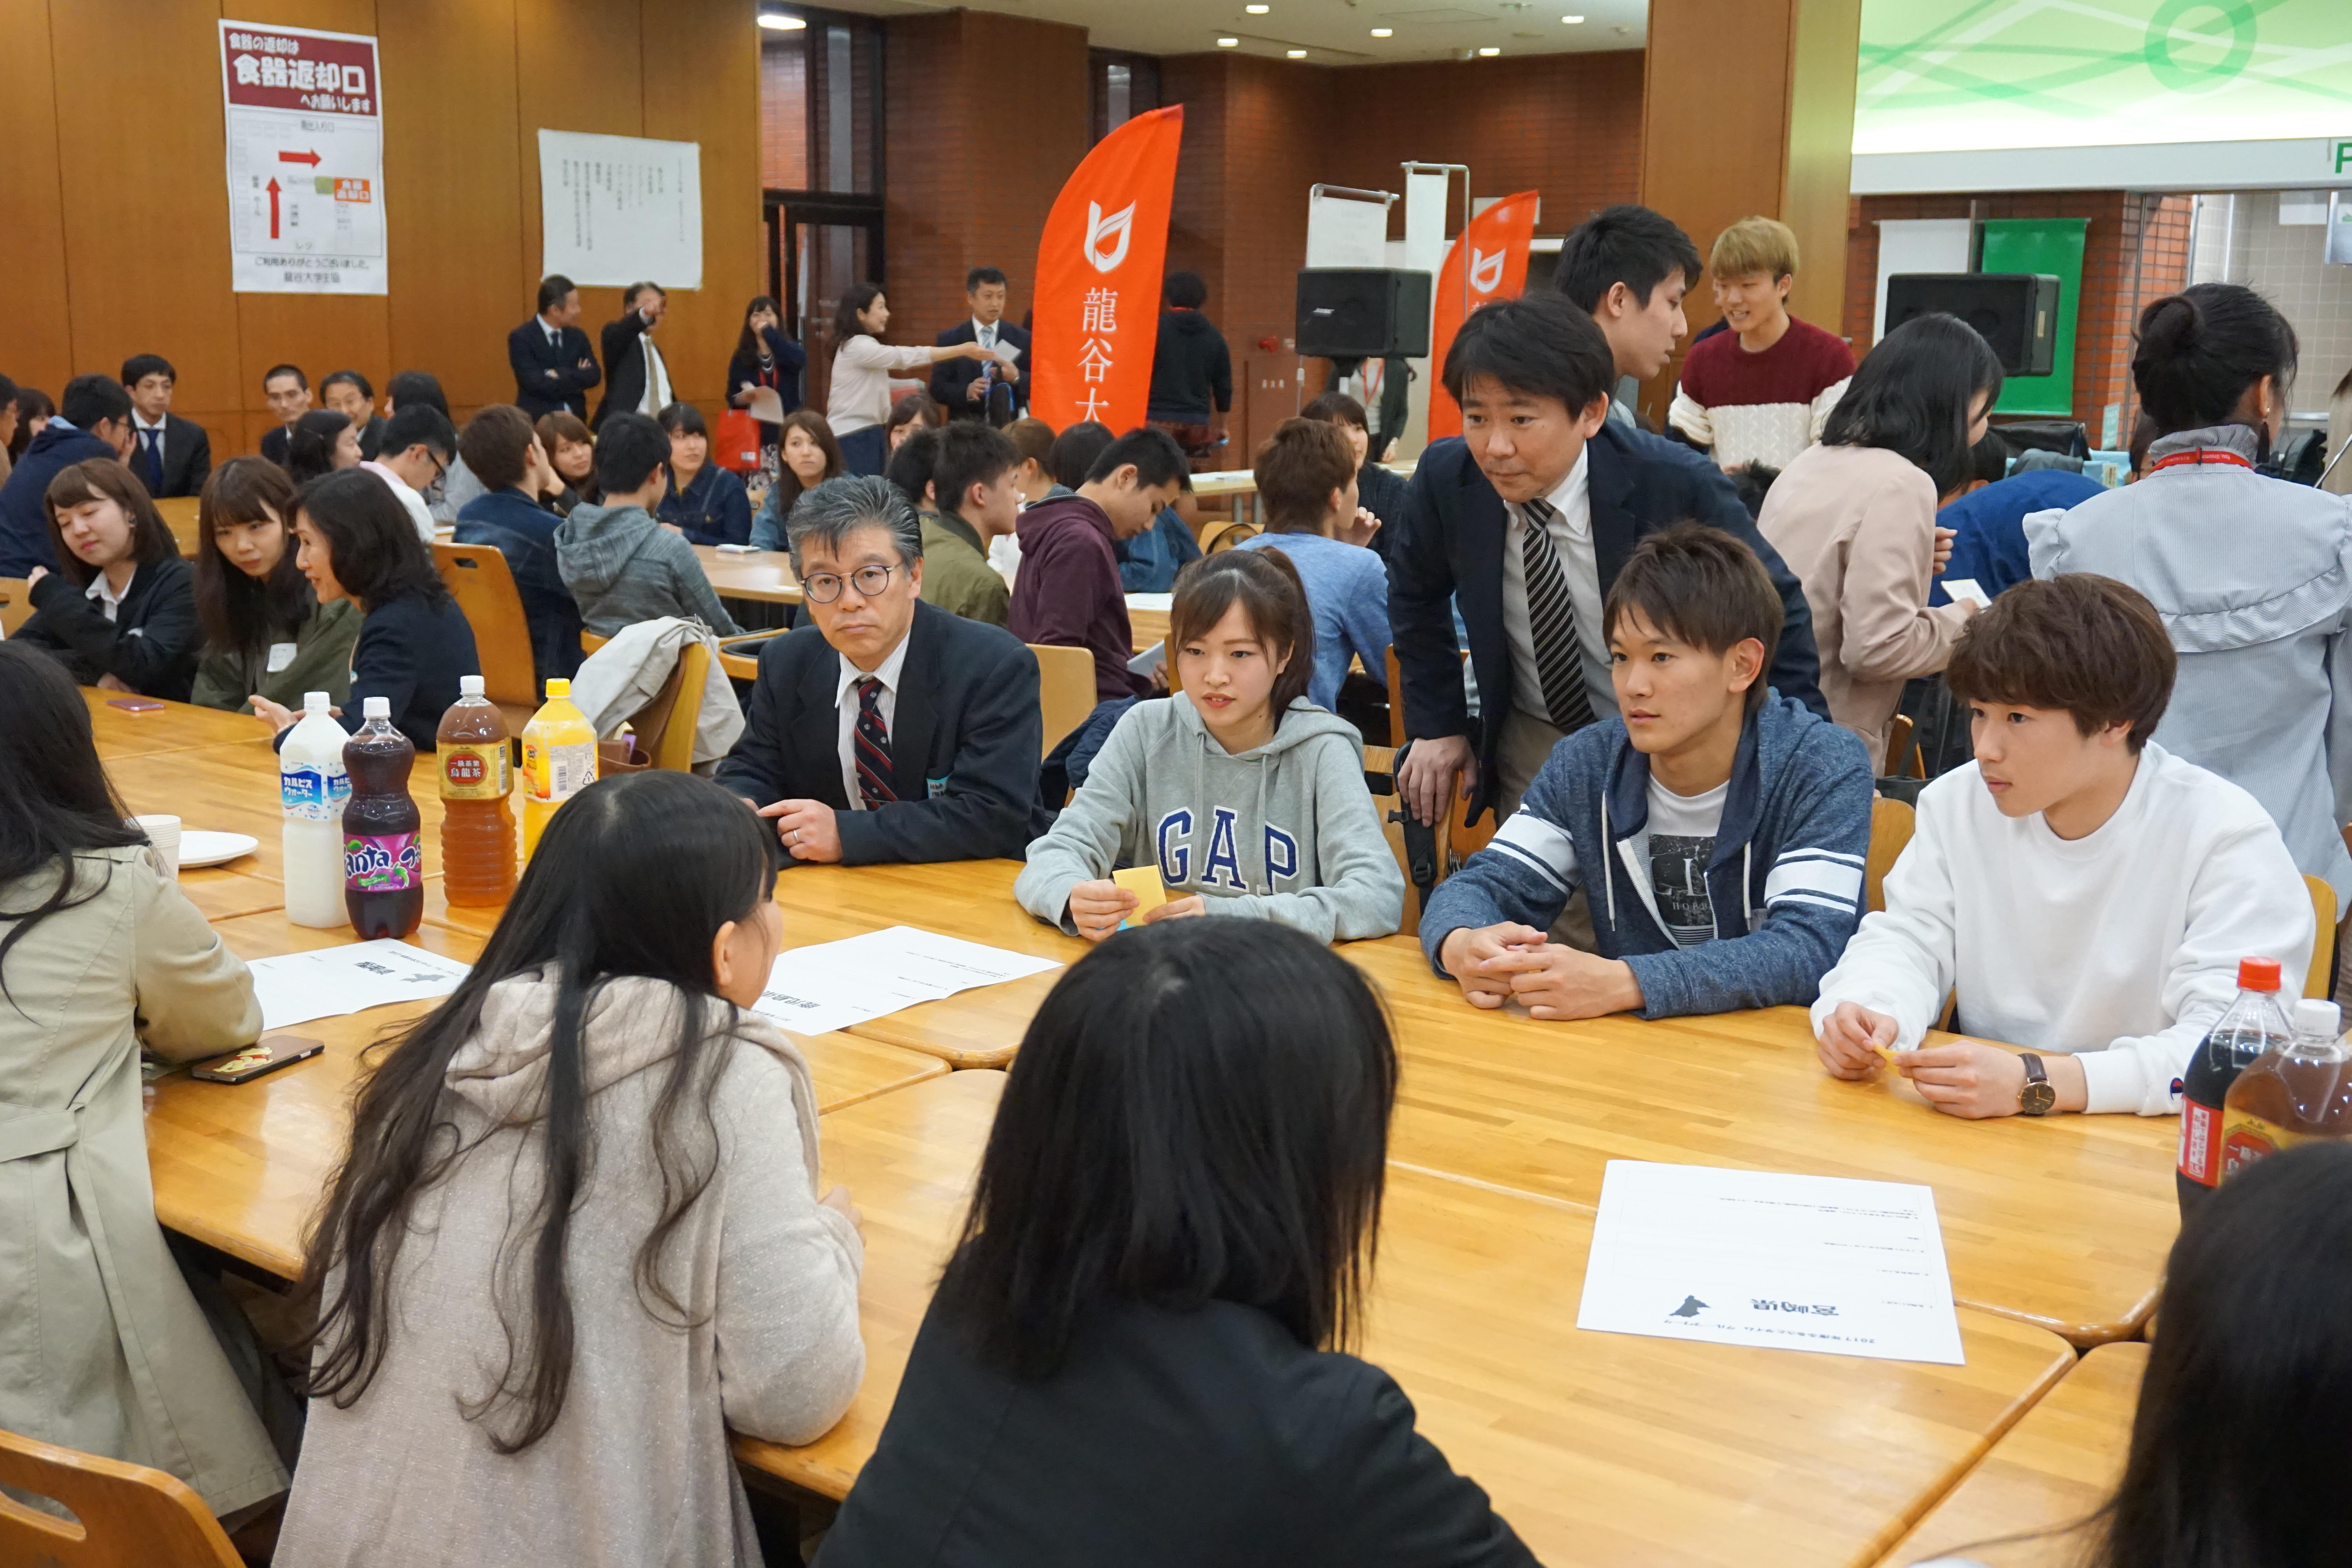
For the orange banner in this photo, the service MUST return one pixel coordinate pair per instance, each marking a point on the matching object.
(1098, 261)
(1497, 242)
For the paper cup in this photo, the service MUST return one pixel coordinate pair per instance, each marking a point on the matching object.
(163, 832)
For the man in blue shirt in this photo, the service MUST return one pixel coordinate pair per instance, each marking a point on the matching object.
(1989, 527)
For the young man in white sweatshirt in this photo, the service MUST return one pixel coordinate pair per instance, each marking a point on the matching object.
(2085, 893)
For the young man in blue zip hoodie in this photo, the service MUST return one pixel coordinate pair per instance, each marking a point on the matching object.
(1718, 828)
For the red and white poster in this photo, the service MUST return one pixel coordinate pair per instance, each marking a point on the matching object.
(1099, 268)
(1497, 243)
(305, 121)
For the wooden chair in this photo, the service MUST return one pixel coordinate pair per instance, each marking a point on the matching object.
(15, 605)
(485, 591)
(2322, 910)
(1903, 759)
(1225, 535)
(129, 1516)
(180, 515)
(1891, 824)
(1066, 689)
(665, 728)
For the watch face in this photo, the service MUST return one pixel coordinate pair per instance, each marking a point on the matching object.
(2037, 1100)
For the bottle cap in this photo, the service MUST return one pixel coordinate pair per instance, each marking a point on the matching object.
(471, 686)
(558, 687)
(315, 703)
(2313, 1017)
(379, 708)
(2258, 974)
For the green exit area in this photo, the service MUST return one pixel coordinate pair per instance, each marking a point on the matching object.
(2052, 245)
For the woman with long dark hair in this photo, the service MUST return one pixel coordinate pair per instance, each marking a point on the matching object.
(2253, 575)
(705, 502)
(765, 357)
(1855, 515)
(858, 397)
(571, 449)
(319, 443)
(806, 455)
(100, 953)
(120, 612)
(1136, 1355)
(578, 1233)
(356, 542)
(265, 633)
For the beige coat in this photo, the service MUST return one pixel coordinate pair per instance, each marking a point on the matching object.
(1857, 525)
(635, 1472)
(101, 1347)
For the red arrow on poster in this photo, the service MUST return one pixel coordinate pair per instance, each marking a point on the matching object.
(273, 208)
(311, 158)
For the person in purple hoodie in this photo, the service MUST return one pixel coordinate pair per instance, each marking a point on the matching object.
(1068, 591)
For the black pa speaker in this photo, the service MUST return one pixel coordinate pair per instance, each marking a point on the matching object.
(1363, 312)
(2016, 312)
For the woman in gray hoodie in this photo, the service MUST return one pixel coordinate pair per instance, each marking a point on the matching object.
(1248, 798)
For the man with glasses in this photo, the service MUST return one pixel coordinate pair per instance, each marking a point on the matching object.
(884, 728)
(418, 446)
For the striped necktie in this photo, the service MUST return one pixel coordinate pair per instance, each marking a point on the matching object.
(1551, 622)
(872, 746)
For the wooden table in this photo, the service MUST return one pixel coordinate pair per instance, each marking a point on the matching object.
(1600, 1448)
(762, 574)
(180, 514)
(242, 1167)
(174, 727)
(2054, 1469)
(1145, 627)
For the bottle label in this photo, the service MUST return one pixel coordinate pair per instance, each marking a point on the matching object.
(381, 862)
(314, 794)
(558, 773)
(476, 773)
(2246, 1139)
(2201, 1143)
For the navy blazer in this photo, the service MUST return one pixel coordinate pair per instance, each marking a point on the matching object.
(410, 653)
(152, 644)
(713, 509)
(791, 360)
(187, 459)
(25, 538)
(1449, 544)
(624, 367)
(965, 743)
(548, 377)
(524, 533)
(951, 376)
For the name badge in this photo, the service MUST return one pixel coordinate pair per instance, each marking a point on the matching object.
(936, 787)
(281, 654)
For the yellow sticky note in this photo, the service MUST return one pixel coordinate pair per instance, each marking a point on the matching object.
(1144, 882)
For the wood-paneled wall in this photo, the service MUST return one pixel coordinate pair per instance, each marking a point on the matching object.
(114, 205)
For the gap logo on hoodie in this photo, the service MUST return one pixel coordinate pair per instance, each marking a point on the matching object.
(1221, 866)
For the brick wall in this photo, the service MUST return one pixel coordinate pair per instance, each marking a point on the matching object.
(2135, 250)
(784, 116)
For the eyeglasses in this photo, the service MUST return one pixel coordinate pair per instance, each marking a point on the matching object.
(870, 582)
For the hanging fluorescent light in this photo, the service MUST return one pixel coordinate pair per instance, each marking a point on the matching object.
(776, 21)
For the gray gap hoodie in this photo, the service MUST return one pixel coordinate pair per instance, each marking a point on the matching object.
(624, 568)
(1284, 832)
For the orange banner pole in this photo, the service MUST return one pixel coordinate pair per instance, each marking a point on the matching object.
(1099, 266)
(1496, 245)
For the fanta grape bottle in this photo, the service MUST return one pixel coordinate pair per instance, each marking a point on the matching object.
(559, 761)
(383, 863)
(478, 829)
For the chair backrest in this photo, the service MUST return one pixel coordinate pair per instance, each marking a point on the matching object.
(1066, 689)
(1225, 535)
(485, 591)
(672, 743)
(1891, 823)
(179, 514)
(2323, 947)
(1899, 763)
(131, 1516)
(1396, 699)
(15, 605)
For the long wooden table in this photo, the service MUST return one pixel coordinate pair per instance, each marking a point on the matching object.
(174, 727)
(765, 574)
(1600, 1448)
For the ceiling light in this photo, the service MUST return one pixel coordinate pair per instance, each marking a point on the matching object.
(781, 23)
(1295, 54)
(1489, 52)
(1572, 21)
(1229, 43)
(1384, 32)
(1257, 10)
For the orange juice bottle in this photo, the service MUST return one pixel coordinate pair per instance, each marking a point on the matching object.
(559, 761)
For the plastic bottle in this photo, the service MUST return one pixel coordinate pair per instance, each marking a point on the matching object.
(311, 789)
(2297, 1092)
(383, 863)
(2254, 1024)
(559, 761)
(477, 828)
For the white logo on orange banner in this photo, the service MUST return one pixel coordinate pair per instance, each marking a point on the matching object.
(1116, 229)
(1486, 270)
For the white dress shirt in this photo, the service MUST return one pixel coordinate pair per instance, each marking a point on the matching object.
(656, 396)
(110, 602)
(984, 335)
(1571, 541)
(419, 512)
(886, 703)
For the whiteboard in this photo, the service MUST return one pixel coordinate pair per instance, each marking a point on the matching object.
(617, 210)
(1344, 231)
(1917, 244)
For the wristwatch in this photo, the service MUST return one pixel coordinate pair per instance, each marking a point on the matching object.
(2037, 1098)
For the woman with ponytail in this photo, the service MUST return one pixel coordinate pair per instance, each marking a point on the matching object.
(577, 1235)
(2253, 575)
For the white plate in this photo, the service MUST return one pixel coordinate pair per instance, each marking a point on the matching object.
(213, 848)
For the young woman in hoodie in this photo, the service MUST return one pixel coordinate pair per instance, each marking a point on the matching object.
(578, 1235)
(1249, 798)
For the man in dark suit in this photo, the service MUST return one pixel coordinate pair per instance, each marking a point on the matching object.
(1527, 517)
(888, 729)
(287, 392)
(351, 394)
(553, 368)
(173, 455)
(636, 379)
(979, 389)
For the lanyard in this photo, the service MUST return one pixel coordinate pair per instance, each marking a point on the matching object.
(2198, 459)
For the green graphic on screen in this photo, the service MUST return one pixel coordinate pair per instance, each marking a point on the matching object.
(1950, 75)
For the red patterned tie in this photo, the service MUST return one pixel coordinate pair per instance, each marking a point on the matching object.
(873, 747)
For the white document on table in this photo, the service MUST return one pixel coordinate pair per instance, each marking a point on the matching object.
(1163, 603)
(297, 987)
(833, 984)
(1763, 1258)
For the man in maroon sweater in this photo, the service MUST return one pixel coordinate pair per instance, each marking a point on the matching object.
(1068, 591)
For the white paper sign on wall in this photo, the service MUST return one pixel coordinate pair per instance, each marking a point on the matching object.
(305, 123)
(617, 210)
